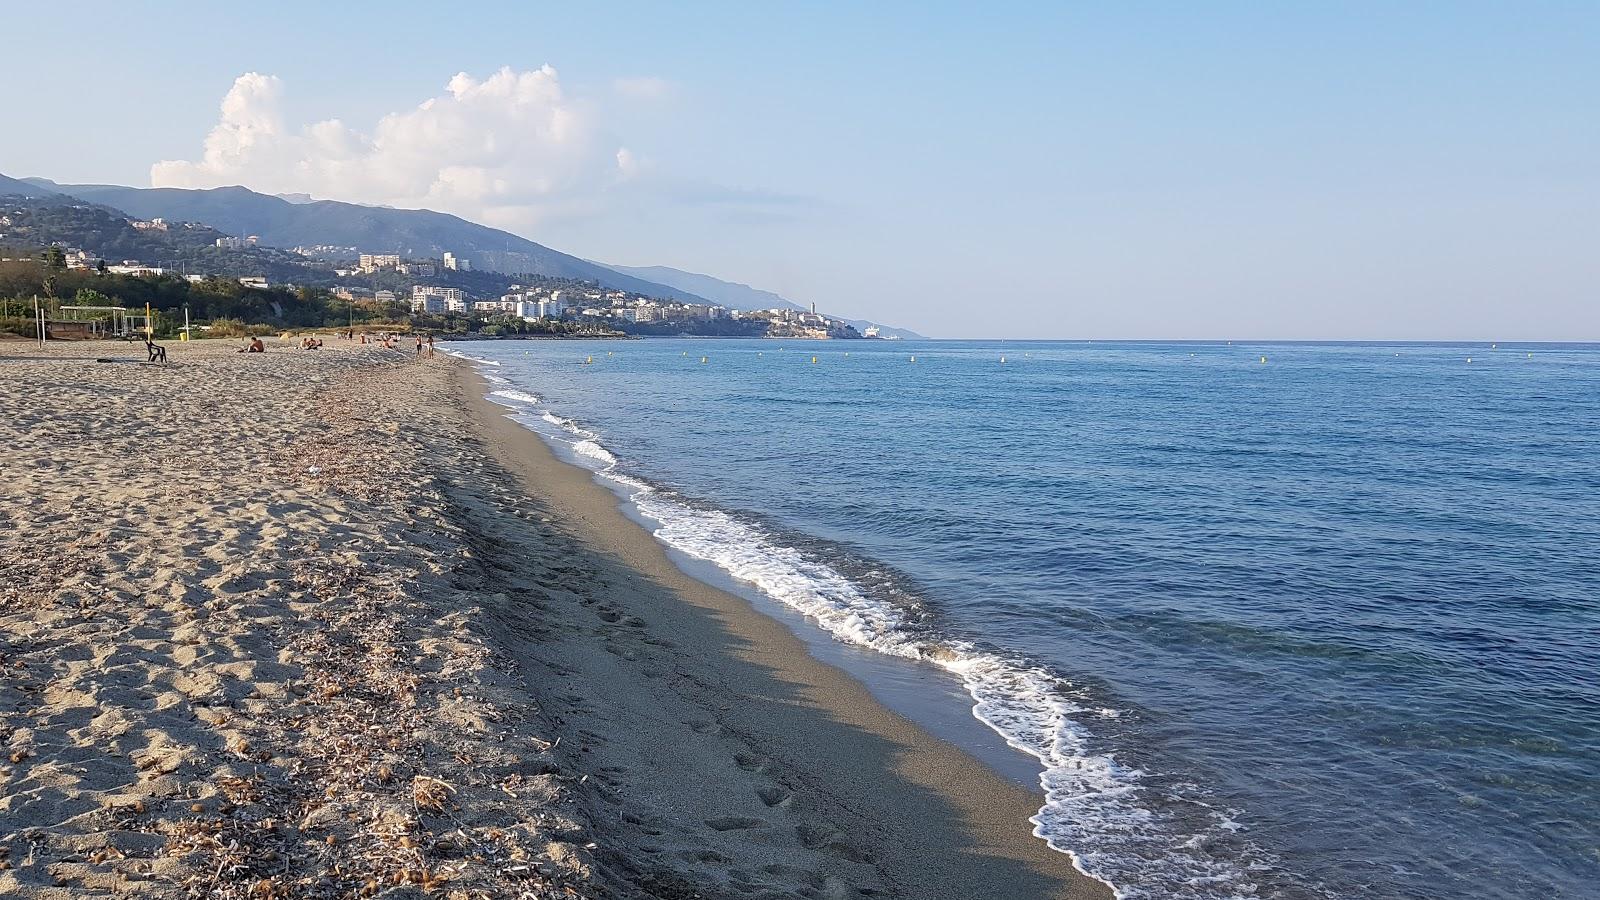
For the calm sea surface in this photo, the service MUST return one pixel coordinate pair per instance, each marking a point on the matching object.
(1323, 625)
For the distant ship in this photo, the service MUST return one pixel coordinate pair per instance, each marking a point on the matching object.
(871, 332)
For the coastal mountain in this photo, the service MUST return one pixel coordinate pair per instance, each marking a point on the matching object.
(296, 220)
(416, 232)
(739, 296)
(14, 187)
(105, 233)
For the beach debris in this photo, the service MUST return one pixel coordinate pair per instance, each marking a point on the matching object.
(430, 793)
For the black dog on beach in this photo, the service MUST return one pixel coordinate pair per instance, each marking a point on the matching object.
(157, 352)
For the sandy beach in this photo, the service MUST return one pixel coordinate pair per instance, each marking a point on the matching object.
(327, 624)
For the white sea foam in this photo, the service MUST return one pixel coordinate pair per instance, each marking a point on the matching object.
(567, 425)
(1093, 809)
(518, 396)
(593, 450)
(477, 359)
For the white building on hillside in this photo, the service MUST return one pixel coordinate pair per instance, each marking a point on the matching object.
(448, 299)
(372, 262)
(129, 267)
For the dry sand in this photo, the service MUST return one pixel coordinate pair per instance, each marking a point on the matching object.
(325, 624)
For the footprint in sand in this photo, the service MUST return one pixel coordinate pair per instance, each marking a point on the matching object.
(774, 796)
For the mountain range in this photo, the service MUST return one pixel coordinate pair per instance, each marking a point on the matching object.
(22, 188)
(296, 221)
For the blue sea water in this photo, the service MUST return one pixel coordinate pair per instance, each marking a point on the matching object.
(1273, 620)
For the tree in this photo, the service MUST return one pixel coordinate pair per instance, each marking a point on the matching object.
(55, 258)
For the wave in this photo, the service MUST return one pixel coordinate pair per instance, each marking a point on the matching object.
(1096, 810)
(567, 425)
(593, 450)
(517, 396)
(467, 356)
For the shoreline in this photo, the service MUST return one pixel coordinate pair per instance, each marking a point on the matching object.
(319, 624)
(944, 823)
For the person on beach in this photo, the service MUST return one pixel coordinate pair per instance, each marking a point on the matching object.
(419, 346)
(430, 345)
(255, 346)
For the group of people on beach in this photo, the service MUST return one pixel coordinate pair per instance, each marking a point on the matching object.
(388, 339)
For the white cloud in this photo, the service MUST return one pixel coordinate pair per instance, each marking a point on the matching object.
(644, 87)
(510, 149)
(630, 165)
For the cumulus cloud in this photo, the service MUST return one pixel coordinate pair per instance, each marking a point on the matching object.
(510, 149)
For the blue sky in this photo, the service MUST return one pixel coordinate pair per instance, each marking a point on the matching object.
(1349, 170)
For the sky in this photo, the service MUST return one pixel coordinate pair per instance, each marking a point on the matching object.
(1057, 170)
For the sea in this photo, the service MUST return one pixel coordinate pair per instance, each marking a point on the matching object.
(1293, 620)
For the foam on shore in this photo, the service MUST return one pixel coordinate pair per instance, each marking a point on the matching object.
(476, 360)
(515, 396)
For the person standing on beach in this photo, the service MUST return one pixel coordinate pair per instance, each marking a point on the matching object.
(430, 345)
(419, 346)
